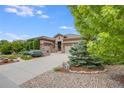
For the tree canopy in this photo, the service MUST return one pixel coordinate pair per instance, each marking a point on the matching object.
(17, 46)
(103, 29)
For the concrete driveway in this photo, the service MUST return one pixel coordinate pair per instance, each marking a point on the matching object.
(13, 75)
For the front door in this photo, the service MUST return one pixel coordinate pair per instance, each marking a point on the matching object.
(59, 46)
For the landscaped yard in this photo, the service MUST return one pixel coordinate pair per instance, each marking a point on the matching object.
(97, 60)
(18, 50)
(23, 56)
(52, 79)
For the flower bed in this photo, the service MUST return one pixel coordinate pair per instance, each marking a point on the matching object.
(88, 72)
(81, 70)
(7, 60)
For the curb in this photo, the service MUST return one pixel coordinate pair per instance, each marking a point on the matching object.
(86, 72)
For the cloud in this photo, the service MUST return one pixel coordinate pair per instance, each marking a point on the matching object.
(11, 10)
(25, 36)
(17, 37)
(23, 10)
(14, 36)
(20, 10)
(44, 16)
(42, 6)
(39, 12)
(66, 28)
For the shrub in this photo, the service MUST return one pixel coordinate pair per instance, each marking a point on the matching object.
(35, 53)
(12, 56)
(6, 48)
(24, 53)
(9, 56)
(26, 57)
(17, 46)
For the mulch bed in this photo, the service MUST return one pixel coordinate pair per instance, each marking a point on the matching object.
(3, 63)
(85, 69)
(81, 70)
(7, 62)
(60, 69)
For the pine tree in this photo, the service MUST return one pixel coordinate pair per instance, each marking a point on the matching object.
(79, 56)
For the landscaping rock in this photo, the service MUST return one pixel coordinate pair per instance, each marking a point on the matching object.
(16, 60)
(5, 60)
(10, 60)
(65, 65)
(53, 79)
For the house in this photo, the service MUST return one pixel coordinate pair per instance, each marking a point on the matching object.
(58, 43)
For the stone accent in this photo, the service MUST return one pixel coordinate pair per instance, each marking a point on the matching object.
(58, 43)
(65, 65)
(88, 72)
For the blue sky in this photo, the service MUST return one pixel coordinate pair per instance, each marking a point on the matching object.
(23, 22)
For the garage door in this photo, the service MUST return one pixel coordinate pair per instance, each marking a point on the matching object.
(67, 48)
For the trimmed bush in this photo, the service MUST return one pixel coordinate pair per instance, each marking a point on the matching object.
(24, 53)
(35, 53)
(9, 56)
(26, 57)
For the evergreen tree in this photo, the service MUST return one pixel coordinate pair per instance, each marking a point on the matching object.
(80, 56)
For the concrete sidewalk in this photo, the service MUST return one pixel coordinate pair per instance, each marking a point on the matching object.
(21, 72)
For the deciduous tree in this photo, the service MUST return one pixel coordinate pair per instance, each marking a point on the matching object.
(94, 23)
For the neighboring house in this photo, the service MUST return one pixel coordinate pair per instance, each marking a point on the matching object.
(58, 43)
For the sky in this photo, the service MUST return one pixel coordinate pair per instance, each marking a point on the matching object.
(24, 22)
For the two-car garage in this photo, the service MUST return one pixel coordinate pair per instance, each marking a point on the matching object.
(67, 48)
(68, 45)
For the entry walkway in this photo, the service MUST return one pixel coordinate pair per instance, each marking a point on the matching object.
(18, 73)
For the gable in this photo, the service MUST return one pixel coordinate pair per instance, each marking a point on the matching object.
(58, 35)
